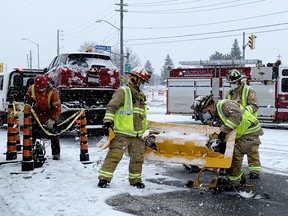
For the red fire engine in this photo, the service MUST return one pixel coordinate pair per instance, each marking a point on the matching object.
(270, 83)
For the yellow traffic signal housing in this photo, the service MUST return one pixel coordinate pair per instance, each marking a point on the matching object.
(252, 41)
(1, 67)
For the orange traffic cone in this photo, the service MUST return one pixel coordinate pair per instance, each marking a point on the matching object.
(84, 155)
(11, 153)
(27, 159)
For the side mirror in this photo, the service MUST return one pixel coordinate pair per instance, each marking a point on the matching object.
(45, 70)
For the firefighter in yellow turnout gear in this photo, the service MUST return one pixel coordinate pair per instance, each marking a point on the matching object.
(232, 116)
(126, 115)
(246, 96)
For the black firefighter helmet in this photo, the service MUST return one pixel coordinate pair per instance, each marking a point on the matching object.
(200, 103)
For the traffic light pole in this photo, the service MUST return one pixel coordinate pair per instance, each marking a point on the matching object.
(244, 45)
(251, 43)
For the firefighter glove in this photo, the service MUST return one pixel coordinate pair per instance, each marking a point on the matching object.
(217, 142)
(50, 123)
(150, 142)
(106, 127)
(222, 136)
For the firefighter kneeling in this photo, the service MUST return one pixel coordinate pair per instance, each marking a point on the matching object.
(231, 115)
(45, 101)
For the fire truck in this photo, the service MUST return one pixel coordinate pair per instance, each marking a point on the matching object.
(270, 83)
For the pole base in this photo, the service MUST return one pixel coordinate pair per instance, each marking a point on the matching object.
(11, 155)
(84, 157)
(27, 165)
(18, 147)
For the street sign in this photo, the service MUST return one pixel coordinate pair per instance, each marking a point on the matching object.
(127, 67)
(103, 47)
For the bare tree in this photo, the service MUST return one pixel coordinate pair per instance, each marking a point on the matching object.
(130, 57)
(86, 46)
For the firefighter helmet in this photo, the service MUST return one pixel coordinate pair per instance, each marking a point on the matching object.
(141, 73)
(201, 102)
(234, 76)
(40, 82)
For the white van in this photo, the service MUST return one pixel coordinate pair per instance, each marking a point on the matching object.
(13, 87)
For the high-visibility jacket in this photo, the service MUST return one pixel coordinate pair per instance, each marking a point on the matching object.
(124, 117)
(245, 126)
(46, 104)
(244, 98)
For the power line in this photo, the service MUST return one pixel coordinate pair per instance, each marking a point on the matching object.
(205, 38)
(163, 3)
(187, 10)
(205, 24)
(206, 33)
(91, 20)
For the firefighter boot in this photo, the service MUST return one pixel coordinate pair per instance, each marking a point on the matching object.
(56, 157)
(139, 185)
(103, 183)
(254, 176)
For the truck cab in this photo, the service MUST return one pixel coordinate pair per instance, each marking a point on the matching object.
(13, 87)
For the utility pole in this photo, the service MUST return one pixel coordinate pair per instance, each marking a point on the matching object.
(58, 49)
(28, 64)
(30, 59)
(121, 36)
(243, 46)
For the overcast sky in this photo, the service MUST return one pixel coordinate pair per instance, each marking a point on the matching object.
(186, 30)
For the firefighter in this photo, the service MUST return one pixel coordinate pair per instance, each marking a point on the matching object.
(246, 96)
(126, 115)
(45, 101)
(233, 116)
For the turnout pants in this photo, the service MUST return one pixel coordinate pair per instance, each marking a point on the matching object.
(38, 133)
(246, 144)
(117, 148)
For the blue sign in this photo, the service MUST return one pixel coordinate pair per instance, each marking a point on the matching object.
(102, 47)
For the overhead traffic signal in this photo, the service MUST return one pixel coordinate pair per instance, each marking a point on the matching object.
(1, 67)
(252, 41)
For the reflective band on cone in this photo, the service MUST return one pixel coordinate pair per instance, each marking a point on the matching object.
(17, 134)
(27, 159)
(84, 155)
(11, 153)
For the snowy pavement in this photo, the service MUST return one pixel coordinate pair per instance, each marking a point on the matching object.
(67, 187)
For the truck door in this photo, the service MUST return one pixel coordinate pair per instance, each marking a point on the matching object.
(266, 99)
(180, 95)
(183, 91)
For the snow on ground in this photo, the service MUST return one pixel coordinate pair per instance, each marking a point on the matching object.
(67, 187)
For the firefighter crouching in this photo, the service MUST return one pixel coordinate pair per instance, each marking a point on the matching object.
(44, 99)
(126, 114)
(246, 96)
(232, 116)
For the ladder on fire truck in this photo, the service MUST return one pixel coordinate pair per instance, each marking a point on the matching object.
(233, 62)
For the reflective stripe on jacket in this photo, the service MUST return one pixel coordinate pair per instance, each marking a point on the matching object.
(46, 104)
(245, 125)
(124, 119)
(244, 98)
(34, 96)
